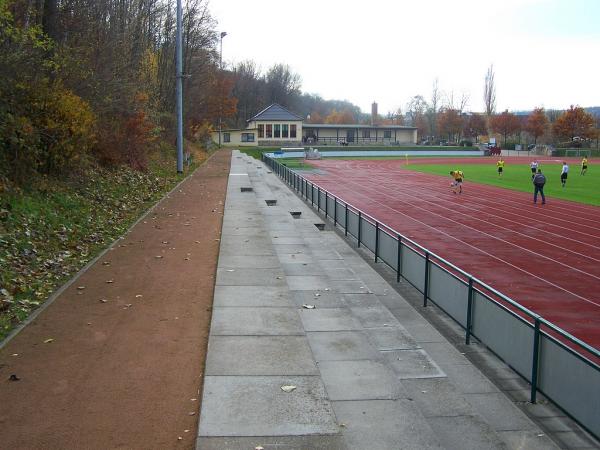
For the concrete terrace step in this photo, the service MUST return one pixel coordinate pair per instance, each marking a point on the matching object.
(369, 371)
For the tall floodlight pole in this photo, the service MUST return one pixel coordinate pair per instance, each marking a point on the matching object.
(179, 75)
(223, 34)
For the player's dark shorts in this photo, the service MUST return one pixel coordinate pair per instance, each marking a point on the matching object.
(583, 167)
(499, 169)
(533, 169)
(563, 176)
(458, 180)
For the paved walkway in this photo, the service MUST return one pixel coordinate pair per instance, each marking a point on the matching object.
(366, 370)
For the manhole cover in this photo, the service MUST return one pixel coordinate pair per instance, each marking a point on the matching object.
(271, 202)
(296, 214)
(320, 226)
(246, 189)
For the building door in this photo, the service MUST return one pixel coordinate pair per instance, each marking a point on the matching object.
(349, 135)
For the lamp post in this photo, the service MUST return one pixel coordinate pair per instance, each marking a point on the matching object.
(179, 75)
(223, 34)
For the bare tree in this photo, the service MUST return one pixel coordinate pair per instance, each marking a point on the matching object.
(489, 91)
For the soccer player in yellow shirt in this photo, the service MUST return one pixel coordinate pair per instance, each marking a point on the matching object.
(584, 164)
(500, 165)
(458, 176)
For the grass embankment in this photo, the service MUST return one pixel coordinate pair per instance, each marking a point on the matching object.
(583, 189)
(51, 229)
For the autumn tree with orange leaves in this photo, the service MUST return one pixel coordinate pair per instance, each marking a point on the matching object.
(340, 117)
(575, 122)
(506, 124)
(475, 126)
(450, 123)
(537, 123)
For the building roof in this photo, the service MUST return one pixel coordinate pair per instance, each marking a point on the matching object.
(357, 126)
(275, 112)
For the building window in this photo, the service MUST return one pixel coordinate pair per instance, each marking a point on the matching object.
(247, 137)
(269, 131)
(277, 132)
(226, 137)
(387, 134)
(284, 130)
(261, 131)
(293, 131)
(366, 133)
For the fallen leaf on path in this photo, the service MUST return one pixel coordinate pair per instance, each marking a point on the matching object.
(288, 388)
(109, 281)
(47, 341)
(305, 306)
(13, 377)
(80, 288)
(138, 296)
(259, 448)
(103, 300)
(15, 354)
(106, 263)
(158, 256)
(192, 413)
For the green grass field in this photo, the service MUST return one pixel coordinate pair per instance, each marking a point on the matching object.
(582, 189)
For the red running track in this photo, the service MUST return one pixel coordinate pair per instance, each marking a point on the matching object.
(547, 258)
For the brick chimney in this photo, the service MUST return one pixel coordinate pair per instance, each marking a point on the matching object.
(374, 113)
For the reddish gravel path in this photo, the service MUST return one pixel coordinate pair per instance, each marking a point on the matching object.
(125, 373)
(547, 258)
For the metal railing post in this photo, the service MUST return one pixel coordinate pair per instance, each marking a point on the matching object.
(334, 211)
(312, 195)
(426, 283)
(346, 220)
(535, 360)
(326, 205)
(376, 240)
(399, 262)
(318, 199)
(469, 312)
(359, 226)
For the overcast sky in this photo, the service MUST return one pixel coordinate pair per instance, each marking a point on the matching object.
(545, 52)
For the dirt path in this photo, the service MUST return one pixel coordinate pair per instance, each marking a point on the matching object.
(128, 337)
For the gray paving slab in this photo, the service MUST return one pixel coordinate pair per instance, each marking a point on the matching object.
(260, 355)
(529, 440)
(330, 319)
(361, 300)
(384, 425)
(338, 274)
(295, 258)
(341, 345)
(288, 249)
(359, 380)
(256, 321)
(307, 283)
(436, 397)
(301, 269)
(499, 412)
(469, 380)
(228, 261)
(465, 433)
(250, 277)
(248, 249)
(413, 363)
(374, 316)
(444, 353)
(256, 406)
(307, 442)
(391, 338)
(252, 296)
(349, 287)
(321, 299)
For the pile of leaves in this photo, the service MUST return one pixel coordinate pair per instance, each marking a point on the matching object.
(51, 229)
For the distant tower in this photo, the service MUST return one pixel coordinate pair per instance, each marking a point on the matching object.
(374, 113)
